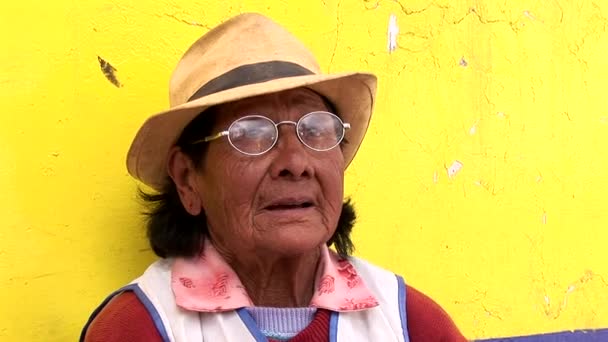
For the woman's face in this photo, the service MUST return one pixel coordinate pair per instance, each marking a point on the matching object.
(284, 202)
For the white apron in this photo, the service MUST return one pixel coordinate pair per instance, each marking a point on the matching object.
(386, 322)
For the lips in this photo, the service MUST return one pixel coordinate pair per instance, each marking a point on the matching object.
(289, 203)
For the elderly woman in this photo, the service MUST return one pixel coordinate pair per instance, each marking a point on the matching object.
(249, 167)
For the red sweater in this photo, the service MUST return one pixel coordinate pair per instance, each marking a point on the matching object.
(125, 318)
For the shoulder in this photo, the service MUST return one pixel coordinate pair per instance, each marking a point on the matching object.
(427, 321)
(124, 318)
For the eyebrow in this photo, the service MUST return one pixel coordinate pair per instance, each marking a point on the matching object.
(298, 100)
(305, 99)
(312, 99)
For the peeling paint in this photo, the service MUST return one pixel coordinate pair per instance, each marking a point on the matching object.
(544, 218)
(109, 72)
(463, 62)
(393, 31)
(454, 169)
(473, 128)
(529, 15)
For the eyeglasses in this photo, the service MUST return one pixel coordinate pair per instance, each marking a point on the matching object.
(256, 134)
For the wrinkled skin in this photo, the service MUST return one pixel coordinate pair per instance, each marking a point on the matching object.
(274, 251)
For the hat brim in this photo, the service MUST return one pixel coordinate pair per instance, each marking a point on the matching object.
(351, 93)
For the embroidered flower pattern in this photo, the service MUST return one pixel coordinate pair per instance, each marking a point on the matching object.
(347, 270)
(351, 304)
(219, 288)
(208, 284)
(326, 285)
(186, 282)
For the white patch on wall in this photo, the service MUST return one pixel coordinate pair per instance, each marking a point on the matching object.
(393, 32)
(473, 128)
(529, 15)
(454, 168)
(544, 218)
(435, 177)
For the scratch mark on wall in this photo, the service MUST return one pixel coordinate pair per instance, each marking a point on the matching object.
(501, 115)
(435, 177)
(338, 25)
(191, 23)
(491, 313)
(454, 168)
(44, 275)
(109, 72)
(410, 12)
(544, 218)
(393, 31)
(579, 284)
(561, 10)
(485, 21)
(372, 6)
(529, 15)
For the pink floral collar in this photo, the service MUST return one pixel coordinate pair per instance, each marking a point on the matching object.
(208, 284)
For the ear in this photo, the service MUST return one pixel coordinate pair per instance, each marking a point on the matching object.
(182, 171)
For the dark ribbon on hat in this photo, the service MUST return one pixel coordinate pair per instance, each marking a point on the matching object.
(250, 74)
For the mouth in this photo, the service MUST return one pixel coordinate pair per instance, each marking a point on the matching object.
(290, 204)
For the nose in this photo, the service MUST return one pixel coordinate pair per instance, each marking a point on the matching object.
(291, 158)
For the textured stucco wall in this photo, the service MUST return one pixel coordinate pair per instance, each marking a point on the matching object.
(511, 243)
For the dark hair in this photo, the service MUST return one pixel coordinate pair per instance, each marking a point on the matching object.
(173, 232)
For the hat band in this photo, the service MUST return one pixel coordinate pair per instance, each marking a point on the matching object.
(250, 74)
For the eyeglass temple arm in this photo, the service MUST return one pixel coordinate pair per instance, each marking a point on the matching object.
(215, 136)
(211, 137)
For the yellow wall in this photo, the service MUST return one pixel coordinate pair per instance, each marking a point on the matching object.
(514, 243)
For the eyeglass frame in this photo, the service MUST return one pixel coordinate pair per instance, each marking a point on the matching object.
(226, 133)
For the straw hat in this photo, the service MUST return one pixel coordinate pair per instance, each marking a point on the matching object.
(246, 56)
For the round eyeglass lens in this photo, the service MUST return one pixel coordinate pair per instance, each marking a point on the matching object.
(320, 131)
(252, 134)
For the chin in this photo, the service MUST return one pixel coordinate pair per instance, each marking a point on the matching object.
(296, 242)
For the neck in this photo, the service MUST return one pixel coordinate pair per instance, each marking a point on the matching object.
(286, 281)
